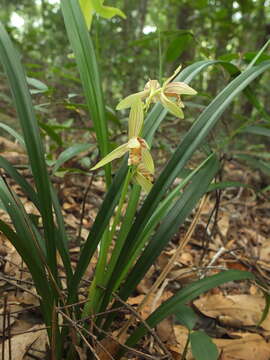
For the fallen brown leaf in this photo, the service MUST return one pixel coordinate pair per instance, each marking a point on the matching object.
(248, 347)
(234, 310)
(20, 344)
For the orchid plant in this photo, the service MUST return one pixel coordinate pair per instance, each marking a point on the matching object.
(139, 155)
(127, 244)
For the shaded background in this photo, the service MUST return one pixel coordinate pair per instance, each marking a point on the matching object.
(156, 37)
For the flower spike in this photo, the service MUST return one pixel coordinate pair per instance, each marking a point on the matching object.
(168, 94)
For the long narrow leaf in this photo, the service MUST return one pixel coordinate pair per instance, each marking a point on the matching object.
(85, 57)
(184, 296)
(25, 111)
(15, 175)
(27, 245)
(13, 133)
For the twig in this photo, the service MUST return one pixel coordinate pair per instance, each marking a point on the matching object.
(151, 331)
(74, 325)
(8, 334)
(4, 327)
(169, 265)
(129, 349)
(19, 286)
(83, 208)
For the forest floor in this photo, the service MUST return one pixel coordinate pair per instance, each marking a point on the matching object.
(231, 232)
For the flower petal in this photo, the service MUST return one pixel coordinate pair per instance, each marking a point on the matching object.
(179, 88)
(143, 182)
(129, 100)
(152, 85)
(171, 107)
(115, 154)
(134, 143)
(87, 10)
(147, 161)
(135, 121)
(106, 11)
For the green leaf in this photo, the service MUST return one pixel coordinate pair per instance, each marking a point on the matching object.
(85, 57)
(259, 55)
(202, 346)
(257, 130)
(227, 184)
(22, 100)
(189, 293)
(28, 246)
(39, 86)
(70, 153)
(101, 221)
(19, 179)
(186, 316)
(266, 308)
(255, 163)
(90, 6)
(14, 133)
(51, 133)
(87, 10)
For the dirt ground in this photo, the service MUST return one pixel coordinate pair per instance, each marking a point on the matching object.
(230, 231)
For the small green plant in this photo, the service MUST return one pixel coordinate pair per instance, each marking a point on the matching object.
(135, 235)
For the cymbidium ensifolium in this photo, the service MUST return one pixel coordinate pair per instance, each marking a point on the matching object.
(139, 155)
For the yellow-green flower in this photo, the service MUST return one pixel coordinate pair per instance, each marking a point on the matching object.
(168, 94)
(136, 147)
(89, 7)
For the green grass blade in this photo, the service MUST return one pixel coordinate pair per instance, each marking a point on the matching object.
(257, 130)
(260, 52)
(70, 153)
(162, 210)
(13, 133)
(26, 243)
(25, 111)
(184, 296)
(227, 184)
(85, 57)
(61, 238)
(16, 176)
(99, 226)
(255, 163)
(170, 224)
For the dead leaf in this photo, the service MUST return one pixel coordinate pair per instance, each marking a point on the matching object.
(20, 344)
(248, 347)
(181, 335)
(224, 223)
(107, 348)
(165, 331)
(234, 310)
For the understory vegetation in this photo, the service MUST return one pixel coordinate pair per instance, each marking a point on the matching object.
(134, 179)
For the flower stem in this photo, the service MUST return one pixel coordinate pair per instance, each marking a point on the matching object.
(95, 291)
